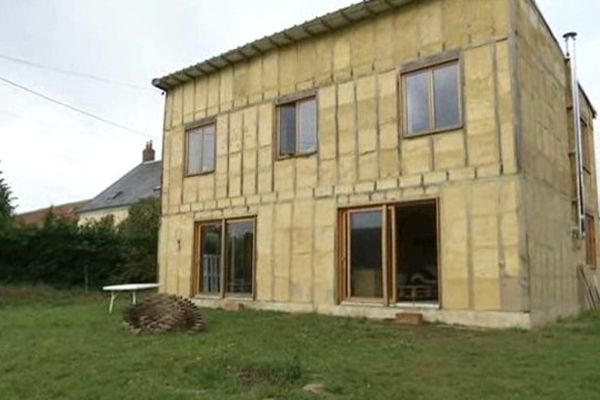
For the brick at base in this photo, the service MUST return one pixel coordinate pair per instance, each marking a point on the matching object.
(232, 306)
(410, 319)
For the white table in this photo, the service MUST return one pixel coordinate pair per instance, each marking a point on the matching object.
(129, 287)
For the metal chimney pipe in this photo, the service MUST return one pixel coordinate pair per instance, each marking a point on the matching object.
(570, 39)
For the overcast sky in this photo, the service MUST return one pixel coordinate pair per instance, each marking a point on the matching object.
(50, 155)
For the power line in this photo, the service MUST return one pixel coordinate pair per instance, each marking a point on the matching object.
(77, 74)
(40, 122)
(76, 109)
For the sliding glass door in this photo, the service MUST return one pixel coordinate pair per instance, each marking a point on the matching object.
(389, 253)
(224, 258)
(366, 254)
(239, 257)
(210, 243)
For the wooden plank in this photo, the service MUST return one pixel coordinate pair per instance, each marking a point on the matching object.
(195, 283)
(384, 254)
(592, 291)
(394, 256)
(254, 258)
(222, 261)
(342, 257)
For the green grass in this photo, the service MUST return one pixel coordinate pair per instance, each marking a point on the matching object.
(64, 345)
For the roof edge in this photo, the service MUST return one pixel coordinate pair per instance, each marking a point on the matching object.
(91, 210)
(53, 206)
(323, 24)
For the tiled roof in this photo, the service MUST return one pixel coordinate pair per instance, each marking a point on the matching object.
(63, 210)
(140, 183)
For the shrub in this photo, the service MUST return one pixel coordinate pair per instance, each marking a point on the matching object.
(63, 254)
(60, 253)
(6, 206)
(139, 233)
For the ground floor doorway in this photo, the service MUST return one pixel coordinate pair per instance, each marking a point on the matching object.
(224, 258)
(390, 253)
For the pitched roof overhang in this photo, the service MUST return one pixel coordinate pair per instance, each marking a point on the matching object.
(327, 23)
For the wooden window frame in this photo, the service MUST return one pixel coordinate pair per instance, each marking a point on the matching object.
(227, 222)
(389, 253)
(430, 68)
(587, 147)
(295, 99)
(348, 284)
(590, 242)
(197, 267)
(189, 128)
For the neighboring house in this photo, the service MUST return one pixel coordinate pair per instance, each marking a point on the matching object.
(392, 156)
(37, 217)
(140, 183)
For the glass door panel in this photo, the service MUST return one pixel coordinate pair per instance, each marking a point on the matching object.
(210, 276)
(239, 257)
(365, 254)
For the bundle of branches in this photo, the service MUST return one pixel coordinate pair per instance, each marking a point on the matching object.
(164, 313)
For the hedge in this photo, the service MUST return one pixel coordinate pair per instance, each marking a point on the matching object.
(63, 254)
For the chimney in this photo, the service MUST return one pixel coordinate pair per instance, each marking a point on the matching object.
(148, 153)
(570, 39)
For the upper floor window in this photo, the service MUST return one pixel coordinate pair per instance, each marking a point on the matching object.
(200, 149)
(586, 147)
(297, 130)
(432, 99)
(590, 236)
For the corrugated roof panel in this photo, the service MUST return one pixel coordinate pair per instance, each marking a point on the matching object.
(182, 76)
(281, 38)
(396, 3)
(358, 14)
(195, 71)
(336, 21)
(234, 56)
(298, 33)
(205, 68)
(264, 44)
(326, 23)
(171, 81)
(249, 50)
(218, 62)
(316, 27)
(379, 6)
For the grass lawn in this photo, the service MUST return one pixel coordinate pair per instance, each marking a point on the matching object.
(60, 345)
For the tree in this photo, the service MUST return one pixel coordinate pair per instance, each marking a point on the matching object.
(140, 238)
(101, 252)
(6, 207)
(62, 253)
